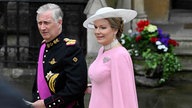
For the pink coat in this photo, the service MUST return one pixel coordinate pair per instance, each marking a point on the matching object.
(112, 78)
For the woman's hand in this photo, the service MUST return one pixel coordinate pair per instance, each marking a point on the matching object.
(88, 90)
(38, 104)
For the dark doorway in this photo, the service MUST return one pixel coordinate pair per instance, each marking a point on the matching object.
(182, 4)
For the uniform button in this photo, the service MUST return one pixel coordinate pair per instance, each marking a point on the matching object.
(37, 91)
(53, 103)
(44, 56)
(43, 61)
(46, 50)
(58, 100)
(38, 97)
(49, 106)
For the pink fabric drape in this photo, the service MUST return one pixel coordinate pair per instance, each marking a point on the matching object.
(43, 89)
(112, 78)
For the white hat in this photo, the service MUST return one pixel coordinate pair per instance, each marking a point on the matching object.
(106, 12)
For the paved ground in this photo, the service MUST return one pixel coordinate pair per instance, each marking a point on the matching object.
(175, 94)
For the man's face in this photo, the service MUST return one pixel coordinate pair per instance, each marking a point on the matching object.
(48, 27)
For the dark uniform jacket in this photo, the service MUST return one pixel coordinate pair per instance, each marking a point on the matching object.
(65, 71)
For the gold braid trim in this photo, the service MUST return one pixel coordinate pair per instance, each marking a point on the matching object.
(69, 41)
(52, 81)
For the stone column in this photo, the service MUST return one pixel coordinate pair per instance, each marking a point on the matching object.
(125, 4)
(138, 5)
(157, 10)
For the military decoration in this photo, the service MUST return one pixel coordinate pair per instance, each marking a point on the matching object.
(52, 82)
(75, 59)
(52, 62)
(50, 44)
(49, 75)
(69, 41)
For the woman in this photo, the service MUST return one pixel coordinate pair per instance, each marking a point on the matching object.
(111, 74)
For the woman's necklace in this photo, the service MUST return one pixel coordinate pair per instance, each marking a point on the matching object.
(111, 45)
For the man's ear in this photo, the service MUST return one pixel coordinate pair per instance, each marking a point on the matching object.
(60, 22)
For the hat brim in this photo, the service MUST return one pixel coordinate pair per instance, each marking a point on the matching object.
(125, 14)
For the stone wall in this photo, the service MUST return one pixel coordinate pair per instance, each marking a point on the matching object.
(157, 10)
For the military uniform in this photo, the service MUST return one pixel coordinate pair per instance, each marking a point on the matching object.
(65, 71)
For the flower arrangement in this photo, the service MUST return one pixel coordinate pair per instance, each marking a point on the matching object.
(155, 47)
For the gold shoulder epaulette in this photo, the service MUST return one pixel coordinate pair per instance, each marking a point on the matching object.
(69, 41)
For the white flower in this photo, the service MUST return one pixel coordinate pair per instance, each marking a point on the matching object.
(122, 41)
(136, 54)
(136, 51)
(163, 46)
(151, 28)
(159, 47)
(130, 50)
(158, 43)
(130, 31)
(165, 49)
(162, 80)
(122, 35)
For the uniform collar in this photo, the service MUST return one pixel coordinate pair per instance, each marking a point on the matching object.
(54, 41)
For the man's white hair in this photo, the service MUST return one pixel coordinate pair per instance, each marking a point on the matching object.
(56, 11)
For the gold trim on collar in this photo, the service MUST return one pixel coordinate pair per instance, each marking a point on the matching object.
(54, 42)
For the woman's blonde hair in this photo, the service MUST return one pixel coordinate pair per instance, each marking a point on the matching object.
(116, 23)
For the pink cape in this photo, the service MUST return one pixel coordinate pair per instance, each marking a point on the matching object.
(112, 78)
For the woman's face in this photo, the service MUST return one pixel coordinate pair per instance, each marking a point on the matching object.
(103, 32)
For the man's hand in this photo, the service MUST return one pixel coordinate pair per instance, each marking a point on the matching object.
(38, 104)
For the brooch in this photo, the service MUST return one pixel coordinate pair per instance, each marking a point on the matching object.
(106, 59)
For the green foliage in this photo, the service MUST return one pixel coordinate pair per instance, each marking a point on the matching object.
(155, 47)
(168, 61)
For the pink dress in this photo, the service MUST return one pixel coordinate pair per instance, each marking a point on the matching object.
(112, 78)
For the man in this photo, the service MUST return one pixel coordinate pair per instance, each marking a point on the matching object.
(62, 71)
